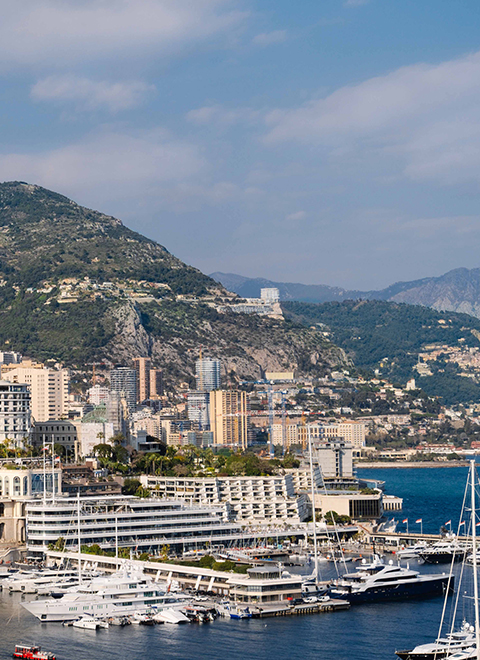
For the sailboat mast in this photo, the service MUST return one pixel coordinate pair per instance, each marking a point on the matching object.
(314, 514)
(474, 558)
(79, 540)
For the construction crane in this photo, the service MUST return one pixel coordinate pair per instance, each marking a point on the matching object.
(271, 417)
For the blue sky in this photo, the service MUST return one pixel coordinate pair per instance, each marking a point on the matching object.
(333, 142)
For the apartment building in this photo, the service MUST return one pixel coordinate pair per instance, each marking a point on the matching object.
(248, 499)
(49, 389)
(15, 413)
(229, 418)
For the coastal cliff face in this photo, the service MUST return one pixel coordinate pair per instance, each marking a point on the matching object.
(173, 334)
(78, 286)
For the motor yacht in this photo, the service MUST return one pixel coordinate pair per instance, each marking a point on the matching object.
(378, 581)
(459, 641)
(123, 593)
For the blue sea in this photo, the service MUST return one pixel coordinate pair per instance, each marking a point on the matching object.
(365, 632)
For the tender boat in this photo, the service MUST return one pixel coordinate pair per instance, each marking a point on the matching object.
(32, 653)
(378, 581)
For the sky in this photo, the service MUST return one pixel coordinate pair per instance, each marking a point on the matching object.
(325, 142)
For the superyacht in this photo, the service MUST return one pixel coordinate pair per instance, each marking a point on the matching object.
(378, 581)
(125, 592)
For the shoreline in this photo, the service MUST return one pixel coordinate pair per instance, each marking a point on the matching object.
(411, 464)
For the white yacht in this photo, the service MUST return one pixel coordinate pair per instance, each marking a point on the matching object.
(460, 641)
(125, 592)
(379, 581)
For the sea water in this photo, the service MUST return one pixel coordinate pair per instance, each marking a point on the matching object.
(365, 632)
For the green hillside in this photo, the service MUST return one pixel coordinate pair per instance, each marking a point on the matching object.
(78, 286)
(389, 337)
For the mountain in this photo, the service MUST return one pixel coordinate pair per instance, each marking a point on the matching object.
(78, 286)
(456, 291)
(247, 287)
(393, 338)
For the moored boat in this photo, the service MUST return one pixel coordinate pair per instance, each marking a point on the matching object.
(31, 653)
(381, 582)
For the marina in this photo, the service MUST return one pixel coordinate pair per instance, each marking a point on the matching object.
(271, 622)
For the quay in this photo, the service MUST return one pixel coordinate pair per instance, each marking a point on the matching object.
(410, 464)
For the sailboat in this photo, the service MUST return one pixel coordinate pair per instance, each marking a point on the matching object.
(463, 644)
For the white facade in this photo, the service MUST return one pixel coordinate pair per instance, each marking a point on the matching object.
(144, 524)
(334, 458)
(15, 414)
(270, 295)
(249, 499)
(198, 408)
(91, 434)
(17, 486)
(49, 390)
(98, 394)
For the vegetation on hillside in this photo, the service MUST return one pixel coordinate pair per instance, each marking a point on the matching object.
(389, 336)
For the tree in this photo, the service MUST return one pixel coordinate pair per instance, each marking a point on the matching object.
(130, 486)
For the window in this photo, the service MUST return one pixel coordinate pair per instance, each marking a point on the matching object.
(7, 486)
(16, 486)
(25, 485)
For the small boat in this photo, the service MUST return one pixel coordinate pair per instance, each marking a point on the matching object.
(86, 622)
(118, 620)
(142, 619)
(170, 615)
(32, 653)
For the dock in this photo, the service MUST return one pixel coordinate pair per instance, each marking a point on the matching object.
(279, 608)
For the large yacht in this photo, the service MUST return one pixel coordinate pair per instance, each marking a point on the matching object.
(378, 581)
(125, 592)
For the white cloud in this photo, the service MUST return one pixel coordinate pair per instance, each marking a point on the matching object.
(294, 217)
(269, 38)
(108, 164)
(426, 117)
(86, 94)
(62, 32)
(221, 116)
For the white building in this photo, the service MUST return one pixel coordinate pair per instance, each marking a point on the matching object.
(334, 458)
(198, 408)
(270, 295)
(15, 414)
(144, 524)
(249, 499)
(49, 390)
(98, 394)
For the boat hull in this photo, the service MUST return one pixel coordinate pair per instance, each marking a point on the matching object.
(406, 591)
(442, 557)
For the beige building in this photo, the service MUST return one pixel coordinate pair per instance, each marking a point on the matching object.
(49, 389)
(291, 434)
(143, 367)
(352, 432)
(229, 418)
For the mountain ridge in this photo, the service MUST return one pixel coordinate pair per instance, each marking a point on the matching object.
(77, 286)
(458, 290)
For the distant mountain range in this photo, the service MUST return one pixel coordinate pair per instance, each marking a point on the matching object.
(456, 291)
